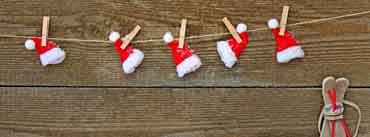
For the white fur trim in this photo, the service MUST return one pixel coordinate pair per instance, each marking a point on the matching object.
(133, 61)
(168, 38)
(29, 44)
(53, 56)
(289, 54)
(273, 23)
(189, 65)
(241, 28)
(226, 53)
(114, 36)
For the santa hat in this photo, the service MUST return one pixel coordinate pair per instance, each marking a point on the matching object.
(230, 50)
(287, 47)
(131, 58)
(186, 61)
(49, 54)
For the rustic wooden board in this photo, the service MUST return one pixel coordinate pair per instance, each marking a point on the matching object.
(339, 48)
(88, 95)
(175, 112)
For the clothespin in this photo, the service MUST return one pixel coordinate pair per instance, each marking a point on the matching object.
(232, 29)
(45, 30)
(182, 33)
(127, 40)
(284, 20)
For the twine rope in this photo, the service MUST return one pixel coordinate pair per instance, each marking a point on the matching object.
(199, 36)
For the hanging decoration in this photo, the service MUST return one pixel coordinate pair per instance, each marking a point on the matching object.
(130, 57)
(287, 48)
(49, 52)
(185, 59)
(231, 50)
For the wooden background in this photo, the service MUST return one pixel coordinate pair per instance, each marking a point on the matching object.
(88, 96)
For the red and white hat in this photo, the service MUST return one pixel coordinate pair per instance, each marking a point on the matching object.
(49, 54)
(131, 58)
(186, 61)
(230, 50)
(287, 47)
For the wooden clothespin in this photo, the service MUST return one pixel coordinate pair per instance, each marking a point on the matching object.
(127, 40)
(182, 33)
(45, 30)
(284, 20)
(232, 29)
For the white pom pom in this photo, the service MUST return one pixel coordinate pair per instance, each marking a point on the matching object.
(273, 23)
(29, 44)
(114, 36)
(168, 38)
(241, 28)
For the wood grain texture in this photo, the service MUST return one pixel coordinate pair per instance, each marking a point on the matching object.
(175, 112)
(88, 95)
(339, 48)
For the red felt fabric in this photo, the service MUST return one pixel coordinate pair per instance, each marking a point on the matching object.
(179, 55)
(40, 49)
(123, 54)
(283, 42)
(238, 48)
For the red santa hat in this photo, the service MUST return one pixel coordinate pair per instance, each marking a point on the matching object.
(287, 47)
(131, 58)
(230, 50)
(49, 54)
(186, 61)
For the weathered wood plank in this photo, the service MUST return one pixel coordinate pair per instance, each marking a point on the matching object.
(77, 112)
(338, 48)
